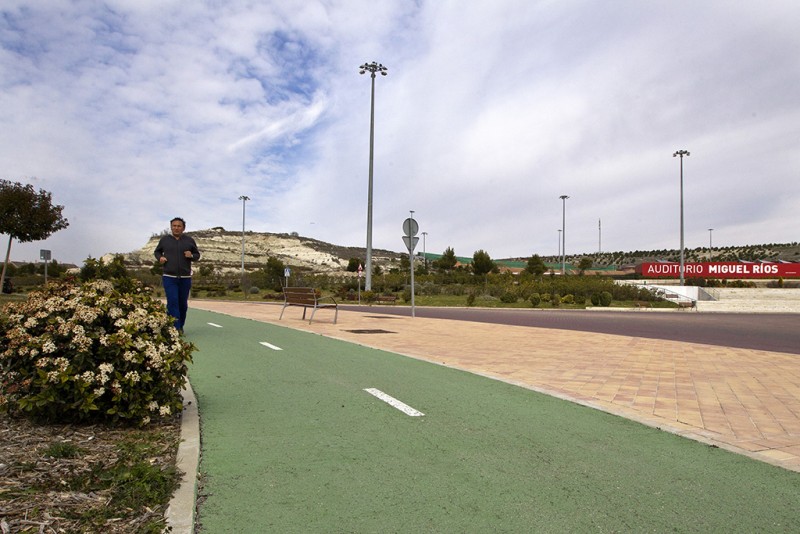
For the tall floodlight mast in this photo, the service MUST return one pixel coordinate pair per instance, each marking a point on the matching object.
(681, 153)
(373, 68)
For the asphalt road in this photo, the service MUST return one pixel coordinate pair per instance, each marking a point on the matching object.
(772, 332)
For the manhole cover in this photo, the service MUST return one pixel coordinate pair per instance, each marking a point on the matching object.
(370, 331)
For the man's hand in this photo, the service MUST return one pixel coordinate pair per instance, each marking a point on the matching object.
(163, 260)
(187, 253)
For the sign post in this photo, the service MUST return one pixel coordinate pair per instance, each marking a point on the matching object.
(410, 229)
(44, 255)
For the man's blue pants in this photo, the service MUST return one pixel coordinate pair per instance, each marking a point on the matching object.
(177, 293)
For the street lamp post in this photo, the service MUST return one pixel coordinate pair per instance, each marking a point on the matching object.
(424, 251)
(563, 233)
(681, 153)
(599, 236)
(372, 68)
(559, 245)
(710, 247)
(244, 199)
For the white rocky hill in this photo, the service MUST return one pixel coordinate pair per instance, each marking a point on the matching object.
(223, 249)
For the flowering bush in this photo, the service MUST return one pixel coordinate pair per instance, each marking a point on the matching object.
(91, 352)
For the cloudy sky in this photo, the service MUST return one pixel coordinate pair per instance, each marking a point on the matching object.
(134, 111)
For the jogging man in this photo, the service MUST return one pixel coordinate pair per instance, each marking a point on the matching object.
(176, 252)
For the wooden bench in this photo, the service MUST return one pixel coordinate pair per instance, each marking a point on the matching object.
(386, 299)
(687, 304)
(639, 304)
(307, 298)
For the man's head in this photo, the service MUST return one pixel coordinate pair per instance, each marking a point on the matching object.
(177, 225)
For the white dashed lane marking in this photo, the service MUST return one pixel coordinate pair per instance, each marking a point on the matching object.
(215, 325)
(270, 345)
(391, 401)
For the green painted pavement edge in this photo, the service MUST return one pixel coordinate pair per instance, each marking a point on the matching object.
(291, 442)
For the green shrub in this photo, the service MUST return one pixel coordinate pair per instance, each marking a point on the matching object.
(91, 353)
(595, 299)
(535, 299)
(555, 300)
(605, 298)
(471, 299)
(568, 299)
(509, 297)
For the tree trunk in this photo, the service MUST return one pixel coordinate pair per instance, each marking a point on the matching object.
(5, 264)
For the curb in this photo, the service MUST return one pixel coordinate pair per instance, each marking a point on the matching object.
(181, 509)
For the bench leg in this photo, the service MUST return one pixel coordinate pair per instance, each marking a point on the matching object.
(335, 315)
(282, 310)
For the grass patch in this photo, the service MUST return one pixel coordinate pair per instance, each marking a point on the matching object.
(60, 449)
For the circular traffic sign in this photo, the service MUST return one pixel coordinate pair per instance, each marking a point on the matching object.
(410, 227)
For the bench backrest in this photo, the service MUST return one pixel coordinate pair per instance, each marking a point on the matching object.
(300, 295)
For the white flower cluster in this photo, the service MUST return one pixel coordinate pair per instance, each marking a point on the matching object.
(87, 376)
(102, 374)
(85, 314)
(132, 377)
(162, 410)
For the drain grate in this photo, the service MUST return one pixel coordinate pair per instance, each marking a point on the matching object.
(370, 331)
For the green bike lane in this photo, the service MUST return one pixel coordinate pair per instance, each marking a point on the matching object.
(292, 442)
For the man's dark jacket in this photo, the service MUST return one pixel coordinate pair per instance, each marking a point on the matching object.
(177, 264)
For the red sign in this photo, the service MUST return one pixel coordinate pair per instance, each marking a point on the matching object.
(721, 270)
